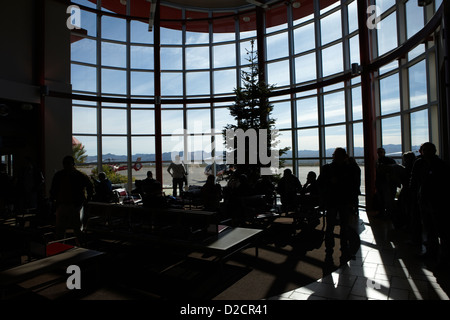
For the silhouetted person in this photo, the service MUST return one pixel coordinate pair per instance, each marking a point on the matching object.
(178, 172)
(385, 183)
(310, 191)
(430, 178)
(70, 190)
(289, 188)
(211, 193)
(409, 214)
(356, 192)
(336, 183)
(103, 189)
(240, 193)
(151, 191)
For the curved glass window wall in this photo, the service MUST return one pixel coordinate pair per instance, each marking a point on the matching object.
(199, 70)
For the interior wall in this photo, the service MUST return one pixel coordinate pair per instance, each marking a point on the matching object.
(37, 54)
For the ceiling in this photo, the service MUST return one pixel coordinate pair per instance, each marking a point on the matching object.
(209, 4)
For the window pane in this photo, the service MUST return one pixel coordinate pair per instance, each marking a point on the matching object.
(390, 94)
(391, 134)
(143, 145)
(142, 83)
(352, 17)
(113, 81)
(112, 147)
(305, 68)
(245, 49)
(114, 55)
(358, 139)
(224, 56)
(172, 121)
(83, 78)
(308, 143)
(330, 27)
(90, 146)
(334, 107)
(114, 121)
(141, 57)
(384, 5)
(170, 36)
(89, 22)
(307, 112)
(113, 28)
(198, 149)
(224, 81)
(142, 122)
(171, 84)
(304, 38)
(84, 120)
(199, 121)
(419, 128)
(418, 84)
(354, 50)
(387, 34)
(282, 115)
(197, 83)
(335, 137)
(222, 118)
(140, 33)
(196, 37)
(84, 50)
(171, 58)
(357, 103)
(277, 46)
(414, 18)
(197, 58)
(278, 73)
(284, 140)
(332, 60)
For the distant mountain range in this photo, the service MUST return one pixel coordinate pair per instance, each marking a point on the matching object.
(393, 150)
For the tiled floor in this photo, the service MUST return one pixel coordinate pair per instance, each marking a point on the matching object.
(386, 268)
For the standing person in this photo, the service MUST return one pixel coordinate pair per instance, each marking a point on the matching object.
(356, 183)
(409, 214)
(385, 183)
(70, 189)
(178, 172)
(429, 180)
(289, 188)
(336, 184)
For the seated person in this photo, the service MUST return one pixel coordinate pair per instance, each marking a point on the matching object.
(288, 188)
(103, 189)
(151, 190)
(309, 194)
(211, 194)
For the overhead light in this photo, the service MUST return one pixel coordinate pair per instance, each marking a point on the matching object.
(296, 4)
(246, 19)
(257, 3)
(124, 2)
(151, 18)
